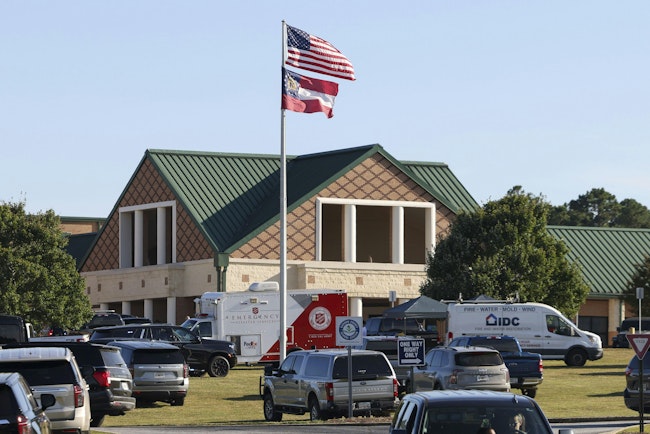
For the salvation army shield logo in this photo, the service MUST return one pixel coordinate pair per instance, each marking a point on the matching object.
(320, 318)
(256, 310)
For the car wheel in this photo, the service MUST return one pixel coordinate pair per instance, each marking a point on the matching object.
(178, 402)
(269, 409)
(218, 366)
(576, 357)
(314, 409)
(529, 392)
(97, 420)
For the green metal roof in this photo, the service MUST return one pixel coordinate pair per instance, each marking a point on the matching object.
(233, 197)
(607, 256)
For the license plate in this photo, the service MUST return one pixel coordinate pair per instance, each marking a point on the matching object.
(363, 405)
(481, 378)
(159, 375)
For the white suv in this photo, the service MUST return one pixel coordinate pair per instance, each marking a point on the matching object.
(53, 370)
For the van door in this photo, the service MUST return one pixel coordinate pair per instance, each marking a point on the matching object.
(559, 337)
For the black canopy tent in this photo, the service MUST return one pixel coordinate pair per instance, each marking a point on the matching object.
(421, 307)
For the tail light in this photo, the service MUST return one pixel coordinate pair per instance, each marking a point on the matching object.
(186, 371)
(450, 336)
(507, 372)
(329, 391)
(24, 426)
(540, 367)
(78, 396)
(395, 388)
(453, 378)
(103, 378)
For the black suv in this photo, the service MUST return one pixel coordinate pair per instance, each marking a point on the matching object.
(105, 372)
(202, 355)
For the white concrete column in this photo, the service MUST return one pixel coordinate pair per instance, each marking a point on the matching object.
(355, 306)
(126, 243)
(138, 238)
(148, 309)
(430, 228)
(161, 235)
(103, 306)
(350, 233)
(398, 235)
(126, 307)
(171, 310)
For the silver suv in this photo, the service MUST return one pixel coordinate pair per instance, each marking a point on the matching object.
(53, 370)
(316, 381)
(159, 371)
(462, 368)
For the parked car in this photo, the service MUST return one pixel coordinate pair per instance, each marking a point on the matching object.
(19, 411)
(104, 319)
(106, 374)
(159, 371)
(468, 411)
(316, 381)
(526, 369)
(136, 320)
(631, 392)
(213, 356)
(620, 340)
(53, 370)
(462, 368)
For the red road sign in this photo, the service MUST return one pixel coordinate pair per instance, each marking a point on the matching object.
(640, 343)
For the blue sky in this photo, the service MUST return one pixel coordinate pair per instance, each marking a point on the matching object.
(550, 95)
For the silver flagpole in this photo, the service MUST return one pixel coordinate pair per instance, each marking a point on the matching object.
(283, 220)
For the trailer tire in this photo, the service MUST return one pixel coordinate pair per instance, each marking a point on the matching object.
(218, 366)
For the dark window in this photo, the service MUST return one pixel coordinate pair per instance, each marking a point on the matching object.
(8, 404)
(43, 372)
(506, 345)
(478, 359)
(153, 356)
(317, 366)
(11, 333)
(112, 358)
(364, 366)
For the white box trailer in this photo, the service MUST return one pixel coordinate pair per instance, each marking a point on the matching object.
(540, 329)
(251, 319)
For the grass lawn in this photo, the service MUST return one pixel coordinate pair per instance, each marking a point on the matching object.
(594, 390)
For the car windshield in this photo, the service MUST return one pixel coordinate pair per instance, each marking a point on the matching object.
(469, 418)
(478, 359)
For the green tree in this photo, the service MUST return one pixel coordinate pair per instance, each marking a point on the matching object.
(600, 208)
(640, 279)
(38, 278)
(501, 250)
(632, 215)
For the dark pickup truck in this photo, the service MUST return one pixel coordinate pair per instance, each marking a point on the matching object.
(526, 369)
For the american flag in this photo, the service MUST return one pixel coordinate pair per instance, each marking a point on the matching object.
(312, 53)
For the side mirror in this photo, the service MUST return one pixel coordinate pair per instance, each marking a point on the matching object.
(47, 400)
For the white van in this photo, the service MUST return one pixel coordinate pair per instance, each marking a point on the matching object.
(540, 329)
